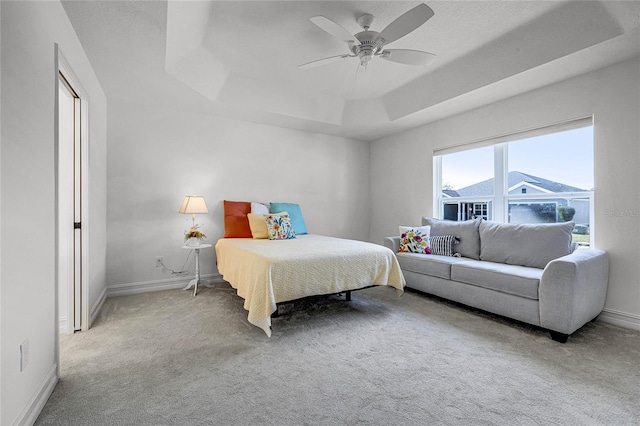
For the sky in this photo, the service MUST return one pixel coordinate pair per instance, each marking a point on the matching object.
(565, 157)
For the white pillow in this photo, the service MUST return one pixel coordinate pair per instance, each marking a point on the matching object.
(415, 239)
(259, 208)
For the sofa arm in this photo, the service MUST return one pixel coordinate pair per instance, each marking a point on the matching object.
(573, 290)
(393, 243)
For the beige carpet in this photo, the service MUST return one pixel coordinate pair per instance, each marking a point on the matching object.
(168, 358)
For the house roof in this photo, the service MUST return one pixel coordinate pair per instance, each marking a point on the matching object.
(451, 193)
(485, 187)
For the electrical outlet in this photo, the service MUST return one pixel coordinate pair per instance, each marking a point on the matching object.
(24, 354)
(159, 261)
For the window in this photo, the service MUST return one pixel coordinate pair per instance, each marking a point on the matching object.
(539, 176)
(467, 184)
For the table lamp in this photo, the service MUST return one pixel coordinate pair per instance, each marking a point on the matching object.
(193, 204)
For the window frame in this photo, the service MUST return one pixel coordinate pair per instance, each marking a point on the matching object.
(498, 203)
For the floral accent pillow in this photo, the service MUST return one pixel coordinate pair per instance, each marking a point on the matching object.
(258, 224)
(415, 239)
(279, 227)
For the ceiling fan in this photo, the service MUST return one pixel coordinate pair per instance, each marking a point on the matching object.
(368, 44)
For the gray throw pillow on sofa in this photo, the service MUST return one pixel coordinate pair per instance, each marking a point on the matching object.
(467, 231)
(532, 245)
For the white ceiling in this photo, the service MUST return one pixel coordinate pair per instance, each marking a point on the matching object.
(239, 59)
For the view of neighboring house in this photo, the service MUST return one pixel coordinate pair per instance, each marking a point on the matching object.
(529, 201)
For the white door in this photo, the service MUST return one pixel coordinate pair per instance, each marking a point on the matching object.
(69, 208)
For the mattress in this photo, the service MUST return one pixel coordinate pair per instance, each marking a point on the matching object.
(267, 272)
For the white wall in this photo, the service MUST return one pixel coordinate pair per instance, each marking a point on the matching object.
(612, 94)
(159, 155)
(27, 242)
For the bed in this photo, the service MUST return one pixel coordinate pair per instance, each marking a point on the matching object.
(268, 272)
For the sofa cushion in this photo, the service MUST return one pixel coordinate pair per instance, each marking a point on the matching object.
(428, 264)
(467, 230)
(532, 245)
(511, 279)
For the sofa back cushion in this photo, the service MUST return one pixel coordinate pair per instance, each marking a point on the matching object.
(467, 231)
(532, 245)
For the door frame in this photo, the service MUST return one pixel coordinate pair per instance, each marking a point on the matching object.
(63, 66)
(70, 240)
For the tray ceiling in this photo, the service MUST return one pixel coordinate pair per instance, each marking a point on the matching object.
(239, 59)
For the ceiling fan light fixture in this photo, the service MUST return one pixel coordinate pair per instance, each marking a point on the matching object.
(365, 57)
(368, 47)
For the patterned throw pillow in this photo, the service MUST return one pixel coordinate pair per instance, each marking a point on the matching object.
(415, 239)
(279, 227)
(443, 245)
(295, 213)
(258, 224)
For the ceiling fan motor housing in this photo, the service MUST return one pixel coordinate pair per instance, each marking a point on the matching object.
(369, 46)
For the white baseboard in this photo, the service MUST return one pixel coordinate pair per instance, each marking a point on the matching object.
(623, 319)
(95, 309)
(157, 285)
(62, 325)
(33, 408)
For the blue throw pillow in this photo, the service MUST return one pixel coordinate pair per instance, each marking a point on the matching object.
(294, 213)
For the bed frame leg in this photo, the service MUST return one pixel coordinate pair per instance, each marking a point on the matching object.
(276, 313)
(347, 296)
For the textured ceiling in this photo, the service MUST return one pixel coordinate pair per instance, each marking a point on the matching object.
(239, 59)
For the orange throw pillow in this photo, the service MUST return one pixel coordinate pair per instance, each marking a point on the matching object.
(236, 224)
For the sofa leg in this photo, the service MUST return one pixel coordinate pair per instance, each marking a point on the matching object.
(559, 337)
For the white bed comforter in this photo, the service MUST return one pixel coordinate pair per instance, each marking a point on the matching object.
(266, 272)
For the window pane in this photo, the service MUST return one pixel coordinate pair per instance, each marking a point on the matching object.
(468, 173)
(555, 210)
(557, 162)
(460, 210)
(542, 166)
(533, 211)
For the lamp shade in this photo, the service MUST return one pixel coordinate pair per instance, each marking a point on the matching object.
(193, 204)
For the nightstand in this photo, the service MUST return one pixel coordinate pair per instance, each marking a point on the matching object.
(194, 282)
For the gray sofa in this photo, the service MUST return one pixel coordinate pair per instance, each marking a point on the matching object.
(528, 272)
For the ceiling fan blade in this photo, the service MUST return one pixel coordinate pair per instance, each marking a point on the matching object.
(323, 61)
(334, 29)
(408, 57)
(406, 23)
